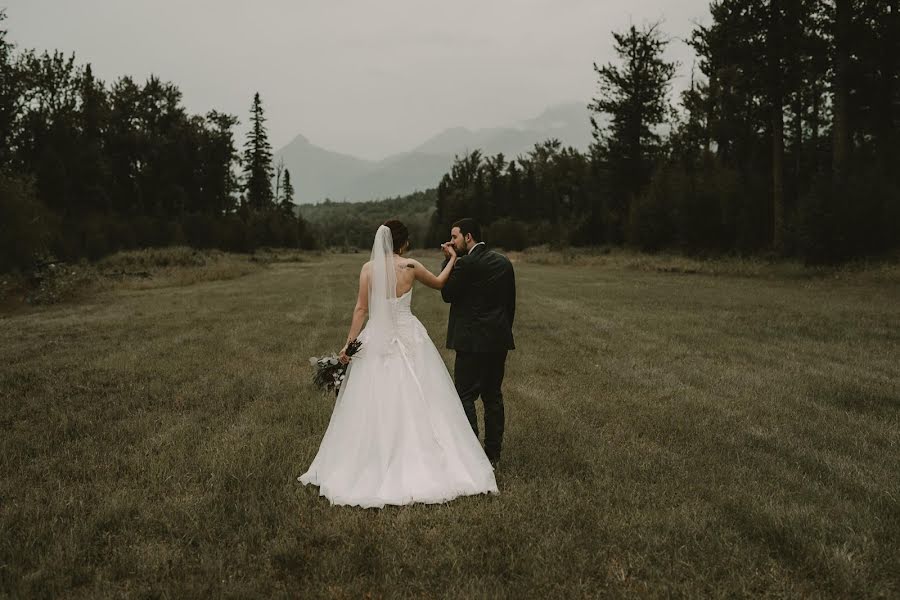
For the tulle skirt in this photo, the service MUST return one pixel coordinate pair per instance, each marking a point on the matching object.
(398, 433)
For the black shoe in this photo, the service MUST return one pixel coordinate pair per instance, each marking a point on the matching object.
(495, 461)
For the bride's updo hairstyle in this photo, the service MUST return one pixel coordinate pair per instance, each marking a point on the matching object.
(399, 232)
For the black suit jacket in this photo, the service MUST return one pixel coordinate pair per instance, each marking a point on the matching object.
(481, 292)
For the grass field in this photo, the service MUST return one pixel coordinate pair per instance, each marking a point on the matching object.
(669, 433)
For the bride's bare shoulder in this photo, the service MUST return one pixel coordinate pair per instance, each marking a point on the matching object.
(365, 272)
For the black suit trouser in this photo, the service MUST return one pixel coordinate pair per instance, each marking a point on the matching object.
(481, 373)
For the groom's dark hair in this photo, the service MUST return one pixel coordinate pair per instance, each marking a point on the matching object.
(467, 226)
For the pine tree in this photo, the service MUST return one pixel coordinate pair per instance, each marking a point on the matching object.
(635, 96)
(258, 161)
(286, 203)
(730, 49)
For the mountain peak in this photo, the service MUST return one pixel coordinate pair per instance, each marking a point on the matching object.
(320, 173)
(561, 116)
(300, 139)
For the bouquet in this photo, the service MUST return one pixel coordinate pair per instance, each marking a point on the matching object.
(329, 372)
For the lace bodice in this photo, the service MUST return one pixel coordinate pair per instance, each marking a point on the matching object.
(403, 305)
(409, 330)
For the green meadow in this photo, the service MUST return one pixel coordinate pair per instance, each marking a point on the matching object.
(674, 428)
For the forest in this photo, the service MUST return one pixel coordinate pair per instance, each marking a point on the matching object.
(785, 144)
(88, 168)
(350, 225)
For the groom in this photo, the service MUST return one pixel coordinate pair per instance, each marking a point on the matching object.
(481, 292)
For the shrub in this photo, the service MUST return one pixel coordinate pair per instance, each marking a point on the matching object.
(26, 226)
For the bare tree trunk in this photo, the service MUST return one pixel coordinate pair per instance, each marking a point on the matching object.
(278, 171)
(799, 108)
(843, 12)
(711, 100)
(777, 124)
(777, 179)
(814, 134)
(888, 128)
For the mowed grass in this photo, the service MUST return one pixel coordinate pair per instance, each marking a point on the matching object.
(668, 434)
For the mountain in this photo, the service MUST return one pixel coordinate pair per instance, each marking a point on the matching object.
(398, 175)
(570, 123)
(318, 173)
(315, 172)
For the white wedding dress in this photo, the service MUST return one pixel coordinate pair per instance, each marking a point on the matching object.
(398, 433)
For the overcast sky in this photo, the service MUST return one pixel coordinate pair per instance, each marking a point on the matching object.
(364, 77)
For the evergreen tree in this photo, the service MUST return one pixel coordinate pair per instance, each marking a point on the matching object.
(635, 97)
(287, 195)
(258, 161)
(729, 52)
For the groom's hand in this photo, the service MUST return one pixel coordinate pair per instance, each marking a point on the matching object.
(446, 248)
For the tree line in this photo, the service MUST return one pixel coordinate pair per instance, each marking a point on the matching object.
(88, 168)
(785, 143)
(350, 226)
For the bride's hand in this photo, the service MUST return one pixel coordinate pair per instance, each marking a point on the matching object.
(343, 356)
(450, 250)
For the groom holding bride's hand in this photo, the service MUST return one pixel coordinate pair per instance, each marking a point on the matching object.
(481, 292)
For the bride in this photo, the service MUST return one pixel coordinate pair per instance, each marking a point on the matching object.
(398, 433)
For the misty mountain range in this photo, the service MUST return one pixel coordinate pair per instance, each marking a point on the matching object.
(317, 173)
